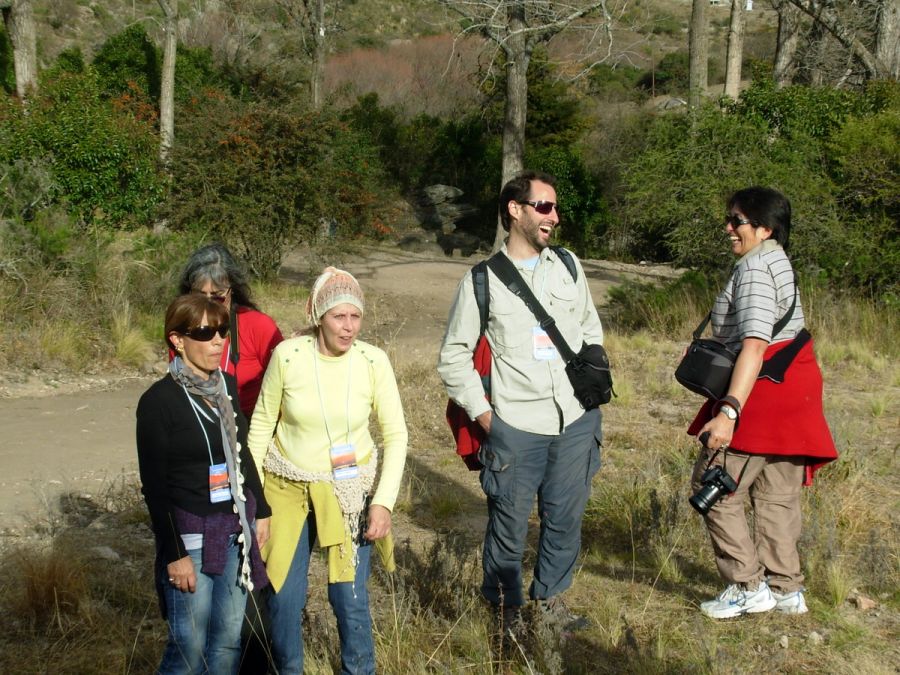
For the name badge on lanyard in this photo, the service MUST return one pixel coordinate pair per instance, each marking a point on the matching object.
(544, 349)
(218, 483)
(343, 461)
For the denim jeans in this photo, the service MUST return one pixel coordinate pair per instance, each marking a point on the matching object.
(349, 601)
(205, 626)
(558, 469)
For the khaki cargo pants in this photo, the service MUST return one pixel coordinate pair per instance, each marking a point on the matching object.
(773, 483)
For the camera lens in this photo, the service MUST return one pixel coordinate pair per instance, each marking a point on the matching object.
(705, 498)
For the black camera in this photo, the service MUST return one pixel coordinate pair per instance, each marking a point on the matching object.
(716, 484)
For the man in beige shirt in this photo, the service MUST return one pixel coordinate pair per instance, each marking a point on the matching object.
(540, 440)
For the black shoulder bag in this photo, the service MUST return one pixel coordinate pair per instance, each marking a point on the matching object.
(707, 365)
(588, 370)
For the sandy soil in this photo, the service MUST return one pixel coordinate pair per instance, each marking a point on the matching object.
(65, 433)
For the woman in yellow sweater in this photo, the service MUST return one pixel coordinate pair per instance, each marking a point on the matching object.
(310, 435)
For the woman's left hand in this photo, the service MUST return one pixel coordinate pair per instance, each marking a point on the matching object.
(262, 531)
(721, 430)
(379, 522)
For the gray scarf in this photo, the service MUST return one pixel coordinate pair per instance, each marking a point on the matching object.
(212, 390)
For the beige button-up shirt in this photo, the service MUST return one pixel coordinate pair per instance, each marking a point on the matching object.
(528, 393)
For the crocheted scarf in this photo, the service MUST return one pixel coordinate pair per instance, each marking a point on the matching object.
(212, 390)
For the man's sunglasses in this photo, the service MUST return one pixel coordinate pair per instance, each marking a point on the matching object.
(542, 207)
(205, 333)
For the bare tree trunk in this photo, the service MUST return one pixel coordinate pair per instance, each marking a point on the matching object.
(167, 85)
(518, 55)
(735, 50)
(887, 38)
(318, 62)
(19, 20)
(786, 44)
(699, 53)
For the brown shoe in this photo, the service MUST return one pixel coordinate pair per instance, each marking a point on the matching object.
(557, 614)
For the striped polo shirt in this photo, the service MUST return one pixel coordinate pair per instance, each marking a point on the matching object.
(758, 294)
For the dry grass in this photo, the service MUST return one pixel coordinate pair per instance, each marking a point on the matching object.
(646, 560)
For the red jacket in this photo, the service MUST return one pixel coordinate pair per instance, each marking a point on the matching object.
(783, 419)
(258, 335)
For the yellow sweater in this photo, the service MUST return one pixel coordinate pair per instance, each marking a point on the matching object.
(306, 425)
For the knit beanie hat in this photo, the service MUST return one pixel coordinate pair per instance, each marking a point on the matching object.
(333, 287)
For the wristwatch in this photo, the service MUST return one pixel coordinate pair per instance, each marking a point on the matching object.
(730, 412)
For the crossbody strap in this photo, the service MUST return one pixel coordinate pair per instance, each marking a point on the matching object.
(503, 267)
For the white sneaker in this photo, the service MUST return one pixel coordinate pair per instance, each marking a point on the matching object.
(736, 600)
(790, 603)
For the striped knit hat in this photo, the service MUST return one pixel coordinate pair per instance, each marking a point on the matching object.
(333, 287)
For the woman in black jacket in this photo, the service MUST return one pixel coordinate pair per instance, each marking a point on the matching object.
(203, 493)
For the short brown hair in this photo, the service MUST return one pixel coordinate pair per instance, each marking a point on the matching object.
(186, 312)
(518, 189)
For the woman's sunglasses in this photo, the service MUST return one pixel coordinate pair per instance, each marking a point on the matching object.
(736, 221)
(205, 333)
(542, 207)
(216, 296)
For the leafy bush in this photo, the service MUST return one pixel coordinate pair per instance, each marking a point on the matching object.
(129, 56)
(664, 310)
(266, 177)
(7, 73)
(103, 162)
(670, 75)
(584, 214)
(615, 82)
(865, 158)
(676, 188)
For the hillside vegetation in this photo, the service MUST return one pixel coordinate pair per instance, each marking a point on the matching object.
(93, 230)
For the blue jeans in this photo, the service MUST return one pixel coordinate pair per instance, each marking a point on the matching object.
(205, 626)
(558, 469)
(349, 601)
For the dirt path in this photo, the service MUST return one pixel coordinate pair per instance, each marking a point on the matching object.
(78, 434)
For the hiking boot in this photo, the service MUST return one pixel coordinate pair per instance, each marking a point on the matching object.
(736, 600)
(790, 603)
(556, 613)
(511, 627)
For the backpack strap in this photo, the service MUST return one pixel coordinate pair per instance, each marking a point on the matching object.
(567, 259)
(482, 294)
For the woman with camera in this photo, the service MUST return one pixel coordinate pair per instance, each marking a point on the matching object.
(767, 436)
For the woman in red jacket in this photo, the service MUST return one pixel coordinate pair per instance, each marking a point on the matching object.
(213, 271)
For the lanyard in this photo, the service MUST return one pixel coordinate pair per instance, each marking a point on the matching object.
(197, 412)
(319, 390)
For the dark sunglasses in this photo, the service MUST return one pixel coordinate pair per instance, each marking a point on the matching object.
(736, 221)
(542, 207)
(205, 333)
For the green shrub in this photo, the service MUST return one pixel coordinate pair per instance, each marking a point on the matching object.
(662, 310)
(798, 111)
(103, 161)
(585, 215)
(675, 193)
(614, 82)
(128, 57)
(670, 75)
(266, 177)
(7, 72)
